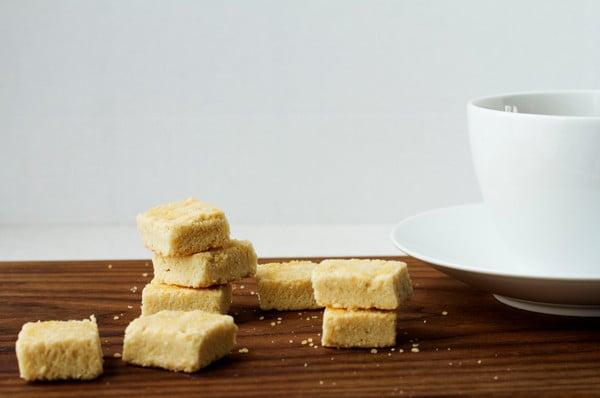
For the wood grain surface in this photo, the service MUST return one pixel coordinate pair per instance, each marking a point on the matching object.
(480, 347)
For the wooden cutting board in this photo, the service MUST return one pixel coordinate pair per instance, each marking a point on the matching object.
(467, 342)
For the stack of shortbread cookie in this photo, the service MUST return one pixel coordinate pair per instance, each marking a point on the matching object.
(182, 327)
(194, 259)
(360, 298)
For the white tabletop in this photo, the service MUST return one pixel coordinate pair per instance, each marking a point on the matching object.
(122, 242)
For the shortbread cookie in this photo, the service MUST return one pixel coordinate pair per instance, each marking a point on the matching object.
(179, 340)
(158, 296)
(286, 286)
(361, 284)
(183, 228)
(358, 328)
(59, 350)
(214, 267)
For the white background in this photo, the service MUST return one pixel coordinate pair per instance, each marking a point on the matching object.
(284, 113)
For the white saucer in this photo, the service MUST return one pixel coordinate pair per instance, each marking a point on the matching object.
(462, 242)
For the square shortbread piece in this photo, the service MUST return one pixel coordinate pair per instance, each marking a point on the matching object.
(358, 328)
(286, 286)
(158, 296)
(58, 350)
(179, 340)
(214, 267)
(361, 284)
(183, 228)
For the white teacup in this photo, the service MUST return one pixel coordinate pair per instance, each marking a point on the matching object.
(537, 158)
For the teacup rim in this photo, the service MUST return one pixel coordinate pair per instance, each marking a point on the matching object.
(472, 104)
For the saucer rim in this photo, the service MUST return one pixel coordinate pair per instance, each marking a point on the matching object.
(472, 269)
(580, 311)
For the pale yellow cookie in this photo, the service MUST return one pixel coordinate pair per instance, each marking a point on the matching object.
(358, 283)
(286, 286)
(183, 228)
(59, 350)
(214, 267)
(179, 340)
(358, 328)
(158, 296)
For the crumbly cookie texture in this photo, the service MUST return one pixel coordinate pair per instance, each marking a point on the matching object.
(179, 340)
(361, 283)
(214, 267)
(183, 228)
(59, 350)
(158, 296)
(286, 286)
(358, 328)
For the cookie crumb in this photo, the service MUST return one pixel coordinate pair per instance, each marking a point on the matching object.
(304, 342)
(373, 350)
(117, 355)
(109, 266)
(115, 317)
(444, 313)
(414, 349)
(260, 318)
(272, 323)
(243, 350)
(145, 274)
